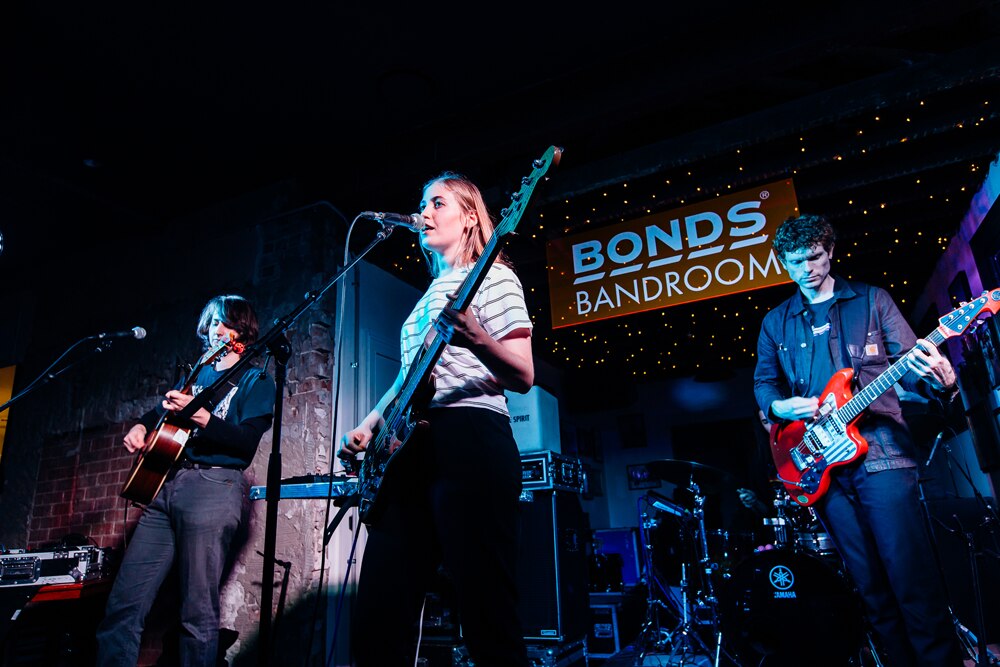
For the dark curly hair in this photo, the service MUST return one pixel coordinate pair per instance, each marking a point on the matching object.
(802, 233)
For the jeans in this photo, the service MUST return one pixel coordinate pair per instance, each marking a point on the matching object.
(190, 524)
(876, 522)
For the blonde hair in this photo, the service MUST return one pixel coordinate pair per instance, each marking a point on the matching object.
(475, 239)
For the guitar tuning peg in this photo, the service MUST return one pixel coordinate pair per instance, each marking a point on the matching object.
(516, 196)
(525, 180)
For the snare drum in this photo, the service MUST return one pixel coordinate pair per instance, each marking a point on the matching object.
(779, 605)
(817, 542)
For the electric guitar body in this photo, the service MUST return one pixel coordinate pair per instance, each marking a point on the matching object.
(805, 452)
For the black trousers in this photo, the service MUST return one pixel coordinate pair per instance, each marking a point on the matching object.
(876, 522)
(451, 501)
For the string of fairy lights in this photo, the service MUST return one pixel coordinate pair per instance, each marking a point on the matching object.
(895, 183)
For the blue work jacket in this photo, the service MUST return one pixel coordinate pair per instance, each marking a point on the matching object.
(867, 334)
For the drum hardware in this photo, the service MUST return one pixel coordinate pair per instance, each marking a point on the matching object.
(682, 641)
(780, 520)
(697, 634)
(817, 542)
(797, 527)
(778, 525)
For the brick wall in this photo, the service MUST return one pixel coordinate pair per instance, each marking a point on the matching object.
(79, 477)
(65, 463)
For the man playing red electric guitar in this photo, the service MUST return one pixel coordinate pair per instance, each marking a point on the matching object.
(871, 507)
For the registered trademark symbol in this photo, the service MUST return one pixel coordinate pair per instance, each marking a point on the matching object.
(764, 194)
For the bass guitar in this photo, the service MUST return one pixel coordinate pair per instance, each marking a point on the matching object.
(805, 452)
(166, 442)
(400, 418)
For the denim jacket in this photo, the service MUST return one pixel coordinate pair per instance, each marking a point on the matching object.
(867, 334)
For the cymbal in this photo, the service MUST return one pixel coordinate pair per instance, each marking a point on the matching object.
(708, 478)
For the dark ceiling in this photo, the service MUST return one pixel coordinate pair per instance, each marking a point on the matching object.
(117, 122)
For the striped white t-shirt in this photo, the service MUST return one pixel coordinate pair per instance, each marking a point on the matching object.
(460, 379)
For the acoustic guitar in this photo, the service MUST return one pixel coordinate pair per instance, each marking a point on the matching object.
(166, 441)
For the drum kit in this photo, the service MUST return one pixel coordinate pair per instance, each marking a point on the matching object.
(715, 598)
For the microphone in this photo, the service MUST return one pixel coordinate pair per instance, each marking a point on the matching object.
(665, 505)
(135, 332)
(413, 221)
(937, 441)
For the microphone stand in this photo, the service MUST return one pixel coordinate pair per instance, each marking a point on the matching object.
(103, 344)
(279, 347)
(976, 646)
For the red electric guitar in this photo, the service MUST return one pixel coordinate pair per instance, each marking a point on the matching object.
(805, 452)
(166, 442)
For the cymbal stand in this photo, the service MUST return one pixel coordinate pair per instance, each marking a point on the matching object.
(652, 637)
(707, 599)
(685, 641)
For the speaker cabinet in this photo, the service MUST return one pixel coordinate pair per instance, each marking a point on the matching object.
(552, 579)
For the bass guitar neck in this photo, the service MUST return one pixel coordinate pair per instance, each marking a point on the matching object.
(399, 419)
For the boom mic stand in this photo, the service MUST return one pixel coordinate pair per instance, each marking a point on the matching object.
(975, 646)
(278, 346)
(103, 344)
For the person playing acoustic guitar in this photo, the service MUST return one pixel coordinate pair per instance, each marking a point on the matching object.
(192, 519)
(450, 500)
(871, 507)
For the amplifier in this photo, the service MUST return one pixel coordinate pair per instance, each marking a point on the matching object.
(70, 565)
(603, 640)
(549, 470)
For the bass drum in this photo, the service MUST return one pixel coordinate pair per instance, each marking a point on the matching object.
(785, 607)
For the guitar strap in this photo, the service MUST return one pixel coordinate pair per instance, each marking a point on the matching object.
(219, 392)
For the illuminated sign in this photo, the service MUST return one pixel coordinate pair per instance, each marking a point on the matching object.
(705, 250)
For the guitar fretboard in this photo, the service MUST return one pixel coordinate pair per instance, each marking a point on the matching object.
(882, 383)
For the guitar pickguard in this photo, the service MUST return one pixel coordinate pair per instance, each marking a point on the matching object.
(825, 441)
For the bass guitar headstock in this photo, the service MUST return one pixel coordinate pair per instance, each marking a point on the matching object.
(511, 216)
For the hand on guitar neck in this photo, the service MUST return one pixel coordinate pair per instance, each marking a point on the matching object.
(931, 366)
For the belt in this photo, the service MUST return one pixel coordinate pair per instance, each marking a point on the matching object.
(191, 465)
